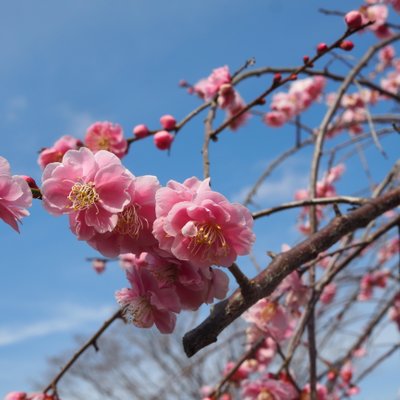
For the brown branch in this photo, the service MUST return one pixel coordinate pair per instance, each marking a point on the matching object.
(276, 84)
(208, 129)
(226, 311)
(91, 342)
(304, 203)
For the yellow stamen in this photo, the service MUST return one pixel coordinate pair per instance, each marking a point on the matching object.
(210, 240)
(82, 196)
(129, 222)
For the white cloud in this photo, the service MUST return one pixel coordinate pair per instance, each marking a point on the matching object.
(277, 189)
(77, 122)
(68, 317)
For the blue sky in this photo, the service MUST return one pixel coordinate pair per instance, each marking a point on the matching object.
(65, 65)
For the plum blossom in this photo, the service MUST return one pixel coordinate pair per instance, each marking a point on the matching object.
(207, 88)
(197, 224)
(146, 304)
(267, 388)
(329, 293)
(324, 188)
(133, 230)
(30, 396)
(194, 286)
(15, 196)
(371, 280)
(270, 317)
(106, 136)
(301, 95)
(91, 188)
(322, 392)
(57, 151)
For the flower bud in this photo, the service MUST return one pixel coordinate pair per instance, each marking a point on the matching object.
(140, 131)
(353, 19)
(163, 140)
(277, 77)
(322, 48)
(168, 122)
(346, 45)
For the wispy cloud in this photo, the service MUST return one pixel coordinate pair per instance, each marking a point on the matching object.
(277, 189)
(68, 318)
(77, 122)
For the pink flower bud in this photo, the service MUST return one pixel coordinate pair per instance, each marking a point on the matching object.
(30, 181)
(163, 140)
(322, 48)
(353, 19)
(277, 77)
(347, 45)
(140, 131)
(168, 122)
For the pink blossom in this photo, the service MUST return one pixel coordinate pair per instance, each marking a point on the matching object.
(271, 318)
(377, 13)
(168, 122)
(106, 136)
(233, 109)
(275, 118)
(329, 293)
(207, 88)
(57, 151)
(322, 392)
(192, 285)
(140, 131)
(386, 57)
(15, 196)
(227, 96)
(199, 225)
(297, 293)
(92, 188)
(301, 95)
(163, 140)
(371, 280)
(133, 230)
(241, 373)
(267, 388)
(16, 396)
(146, 304)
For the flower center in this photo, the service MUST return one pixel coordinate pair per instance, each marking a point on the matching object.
(129, 222)
(83, 195)
(210, 241)
(265, 395)
(136, 311)
(268, 312)
(103, 143)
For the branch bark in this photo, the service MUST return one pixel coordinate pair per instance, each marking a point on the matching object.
(226, 311)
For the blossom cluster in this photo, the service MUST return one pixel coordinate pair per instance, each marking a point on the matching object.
(173, 234)
(99, 136)
(30, 396)
(286, 105)
(219, 84)
(15, 196)
(324, 188)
